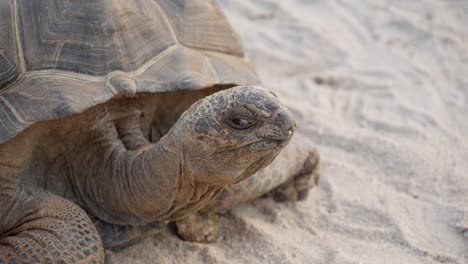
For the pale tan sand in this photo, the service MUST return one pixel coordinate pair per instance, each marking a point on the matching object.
(383, 91)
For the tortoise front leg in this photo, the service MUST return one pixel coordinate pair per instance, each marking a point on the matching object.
(288, 178)
(39, 227)
(297, 187)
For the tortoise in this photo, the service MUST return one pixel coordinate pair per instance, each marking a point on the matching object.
(118, 117)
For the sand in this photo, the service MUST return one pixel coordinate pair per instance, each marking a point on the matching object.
(382, 88)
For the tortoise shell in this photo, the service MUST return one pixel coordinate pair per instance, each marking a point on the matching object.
(61, 57)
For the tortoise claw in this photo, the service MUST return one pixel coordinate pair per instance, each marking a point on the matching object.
(199, 227)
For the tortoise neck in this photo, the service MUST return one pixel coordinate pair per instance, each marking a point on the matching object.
(132, 186)
(140, 186)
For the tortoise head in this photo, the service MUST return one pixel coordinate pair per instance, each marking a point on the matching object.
(232, 134)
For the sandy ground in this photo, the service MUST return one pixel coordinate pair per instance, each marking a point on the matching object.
(382, 89)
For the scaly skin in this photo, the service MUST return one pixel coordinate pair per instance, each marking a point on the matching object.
(187, 167)
(44, 228)
(108, 167)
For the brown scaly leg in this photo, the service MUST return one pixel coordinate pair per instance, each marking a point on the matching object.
(288, 178)
(297, 188)
(39, 227)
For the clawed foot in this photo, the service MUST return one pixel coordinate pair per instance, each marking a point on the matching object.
(297, 188)
(199, 227)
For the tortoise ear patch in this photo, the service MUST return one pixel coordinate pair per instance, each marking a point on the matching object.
(206, 126)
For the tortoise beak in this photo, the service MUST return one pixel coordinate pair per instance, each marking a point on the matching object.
(281, 128)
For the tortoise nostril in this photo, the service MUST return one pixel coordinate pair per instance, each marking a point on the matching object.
(286, 123)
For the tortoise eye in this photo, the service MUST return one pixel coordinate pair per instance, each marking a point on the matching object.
(240, 118)
(240, 124)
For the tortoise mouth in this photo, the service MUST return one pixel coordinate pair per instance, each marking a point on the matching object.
(265, 144)
(257, 146)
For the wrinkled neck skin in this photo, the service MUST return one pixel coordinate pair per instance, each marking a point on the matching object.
(139, 186)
